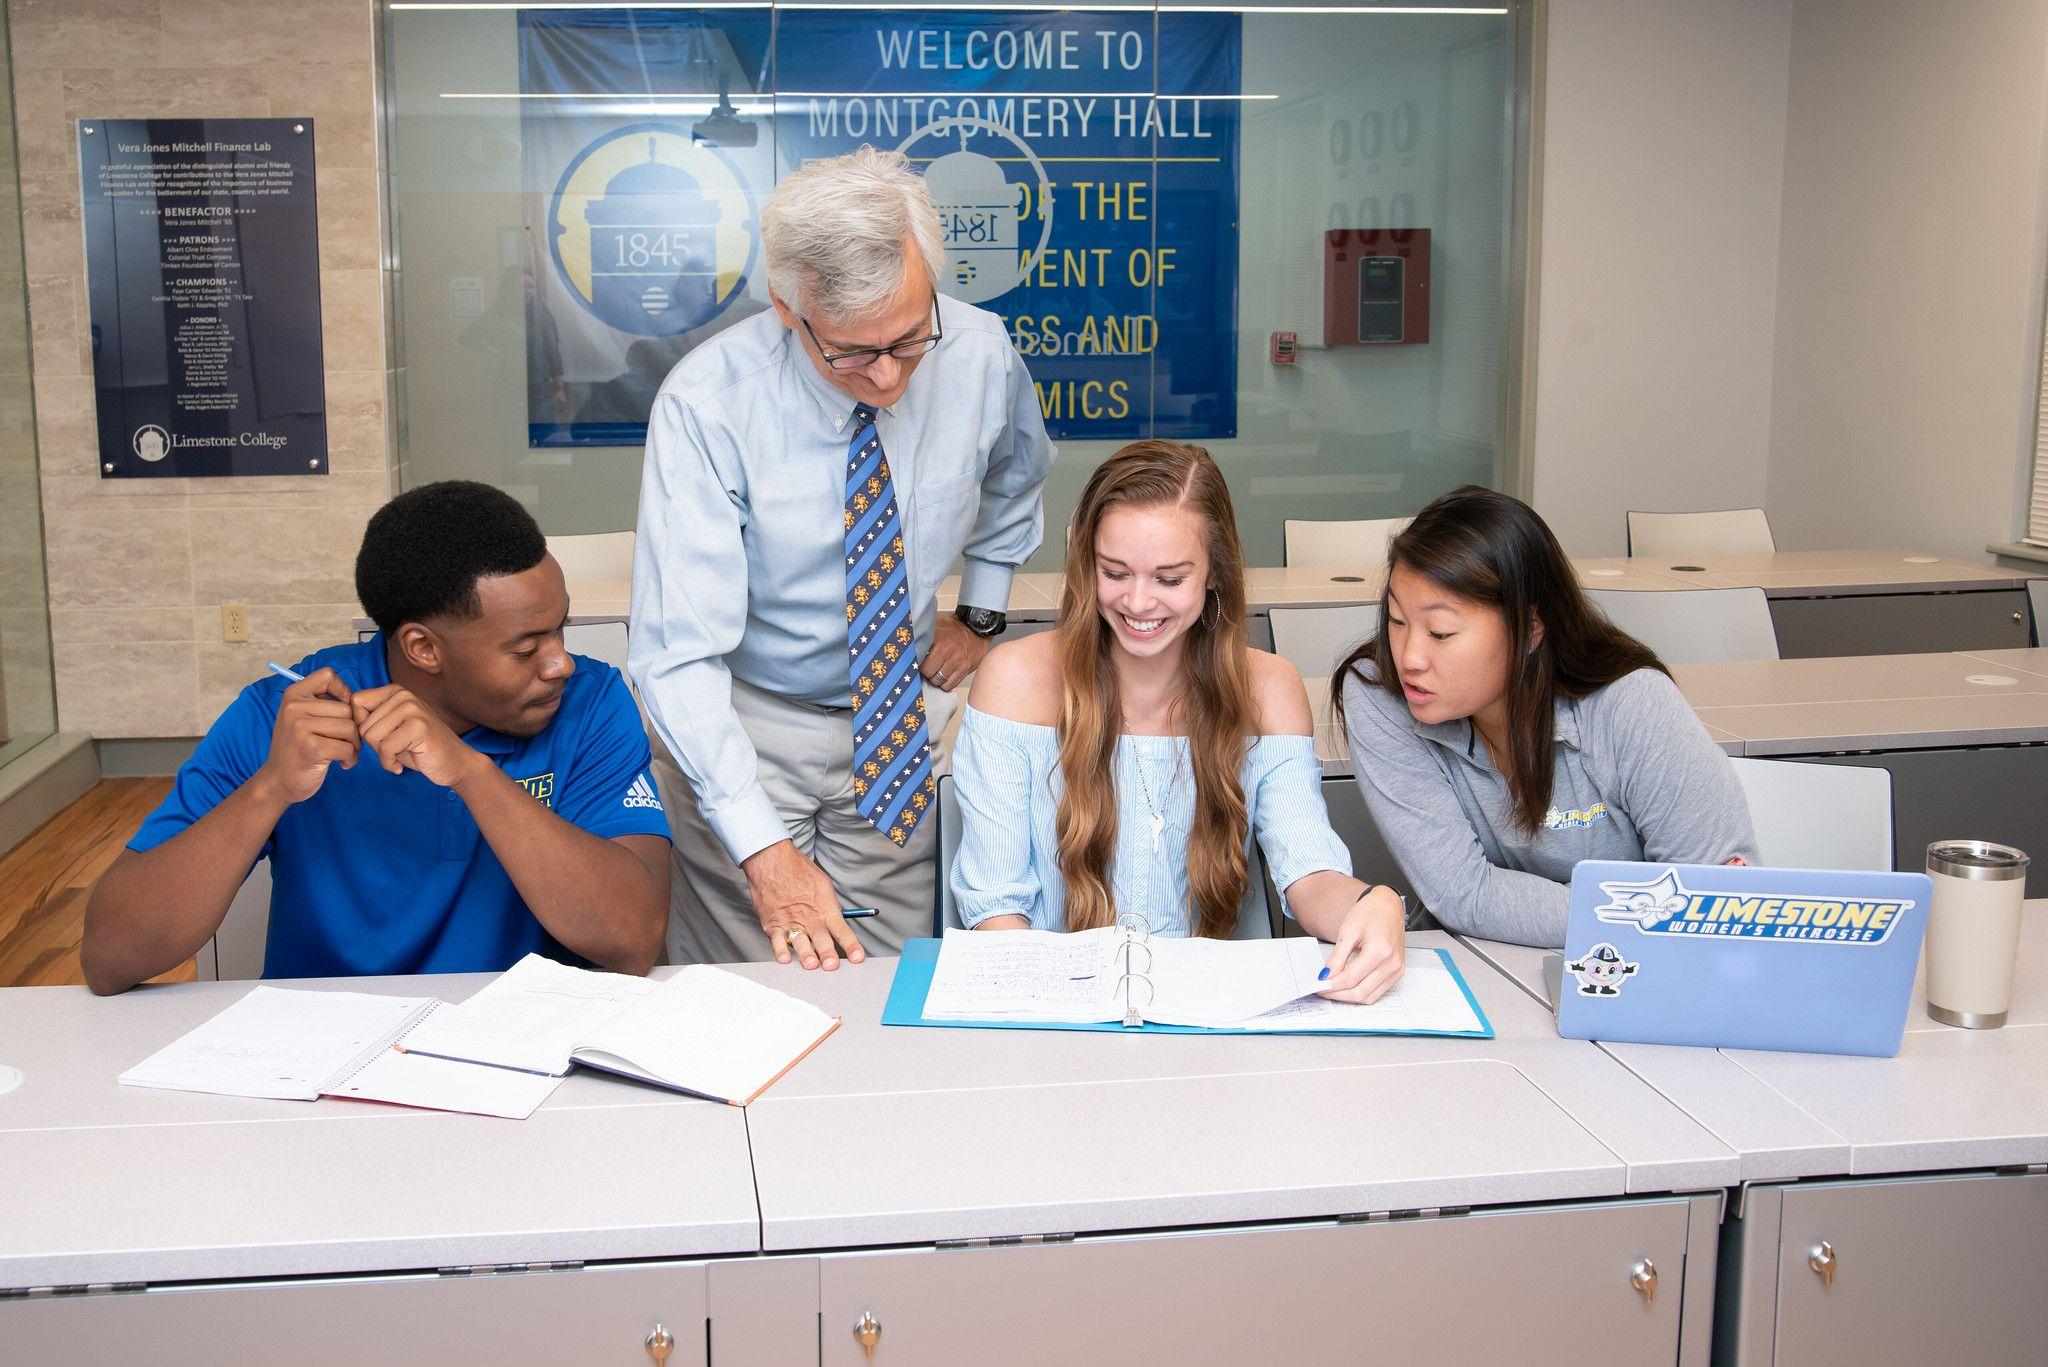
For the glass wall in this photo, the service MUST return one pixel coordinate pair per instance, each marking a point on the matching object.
(1283, 234)
(28, 705)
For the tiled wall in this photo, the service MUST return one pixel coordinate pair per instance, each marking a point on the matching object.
(26, 705)
(138, 569)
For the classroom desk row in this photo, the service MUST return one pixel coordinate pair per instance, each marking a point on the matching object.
(1964, 735)
(1823, 603)
(1003, 1197)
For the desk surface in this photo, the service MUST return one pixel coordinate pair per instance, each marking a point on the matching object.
(108, 1183)
(1951, 1099)
(1872, 702)
(987, 1133)
(1841, 573)
(930, 1134)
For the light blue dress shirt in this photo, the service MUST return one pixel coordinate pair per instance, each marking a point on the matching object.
(1007, 780)
(739, 569)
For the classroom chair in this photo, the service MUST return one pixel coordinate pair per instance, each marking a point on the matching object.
(598, 555)
(1687, 626)
(1819, 816)
(2037, 607)
(1360, 542)
(1254, 915)
(1314, 640)
(1729, 531)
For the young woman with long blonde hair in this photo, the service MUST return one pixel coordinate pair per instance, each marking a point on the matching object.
(1124, 762)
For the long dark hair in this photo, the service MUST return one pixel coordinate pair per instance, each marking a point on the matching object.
(1492, 549)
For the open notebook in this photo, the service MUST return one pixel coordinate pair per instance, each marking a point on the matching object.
(294, 1045)
(704, 1031)
(1119, 977)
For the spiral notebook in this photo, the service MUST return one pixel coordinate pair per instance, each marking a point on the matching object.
(295, 1045)
(1121, 978)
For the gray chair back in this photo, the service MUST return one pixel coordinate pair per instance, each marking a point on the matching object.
(1688, 626)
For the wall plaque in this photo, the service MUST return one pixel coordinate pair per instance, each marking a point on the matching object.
(202, 257)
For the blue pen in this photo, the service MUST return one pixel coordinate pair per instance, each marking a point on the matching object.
(284, 673)
(855, 913)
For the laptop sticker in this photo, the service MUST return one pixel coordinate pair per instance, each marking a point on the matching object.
(1665, 906)
(1601, 971)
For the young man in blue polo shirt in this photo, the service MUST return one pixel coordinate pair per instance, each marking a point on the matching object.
(446, 797)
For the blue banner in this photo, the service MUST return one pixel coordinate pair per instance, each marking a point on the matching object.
(1085, 168)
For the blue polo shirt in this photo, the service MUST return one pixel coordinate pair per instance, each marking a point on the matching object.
(387, 873)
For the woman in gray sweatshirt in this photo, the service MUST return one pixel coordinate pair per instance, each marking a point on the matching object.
(1502, 729)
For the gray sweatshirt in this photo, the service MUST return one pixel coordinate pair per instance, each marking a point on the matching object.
(1636, 777)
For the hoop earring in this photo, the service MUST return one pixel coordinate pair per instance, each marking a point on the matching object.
(1210, 619)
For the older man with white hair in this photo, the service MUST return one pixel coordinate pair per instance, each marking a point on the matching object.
(811, 475)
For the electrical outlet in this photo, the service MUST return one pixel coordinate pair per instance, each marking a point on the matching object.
(234, 621)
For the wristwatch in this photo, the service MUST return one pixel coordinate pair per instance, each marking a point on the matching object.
(984, 622)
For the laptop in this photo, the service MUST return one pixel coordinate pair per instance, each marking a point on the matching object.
(1812, 960)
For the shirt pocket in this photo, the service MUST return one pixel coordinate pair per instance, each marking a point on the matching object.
(944, 516)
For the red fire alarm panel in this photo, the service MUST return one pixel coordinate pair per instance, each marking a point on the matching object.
(1283, 348)
(1375, 286)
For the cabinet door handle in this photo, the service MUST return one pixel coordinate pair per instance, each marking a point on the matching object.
(660, 1343)
(867, 1332)
(1822, 1260)
(1643, 1277)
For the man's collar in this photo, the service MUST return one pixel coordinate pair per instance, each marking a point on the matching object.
(833, 402)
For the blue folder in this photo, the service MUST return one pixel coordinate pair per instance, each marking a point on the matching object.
(914, 981)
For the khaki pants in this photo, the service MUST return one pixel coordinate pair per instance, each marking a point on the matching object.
(806, 768)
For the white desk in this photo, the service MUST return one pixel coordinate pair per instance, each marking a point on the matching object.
(1009, 1185)
(1940, 1235)
(119, 1184)
(1294, 1173)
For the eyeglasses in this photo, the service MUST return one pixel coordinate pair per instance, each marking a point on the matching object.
(861, 360)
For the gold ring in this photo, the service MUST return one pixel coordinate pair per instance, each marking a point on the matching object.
(789, 935)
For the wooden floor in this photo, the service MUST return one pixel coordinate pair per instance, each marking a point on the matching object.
(44, 881)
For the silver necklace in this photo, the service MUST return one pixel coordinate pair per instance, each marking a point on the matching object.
(1153, 815)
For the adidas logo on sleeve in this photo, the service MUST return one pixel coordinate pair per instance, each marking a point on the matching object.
(642, 794)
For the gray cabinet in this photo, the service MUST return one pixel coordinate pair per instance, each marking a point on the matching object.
(1528, 1286)
(1925, 1269)
(594, 1315)
(1900, 623)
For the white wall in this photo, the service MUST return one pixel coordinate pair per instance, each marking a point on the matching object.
(1909, 268)
(1663, 158)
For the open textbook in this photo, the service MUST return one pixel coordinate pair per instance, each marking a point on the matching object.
(704, 1031)
(1118, 975)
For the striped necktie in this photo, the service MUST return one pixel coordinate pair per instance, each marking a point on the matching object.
(892, 764)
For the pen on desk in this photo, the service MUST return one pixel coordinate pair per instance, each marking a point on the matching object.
(283, 673)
